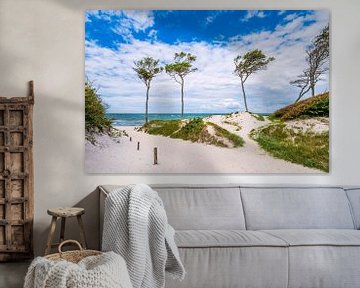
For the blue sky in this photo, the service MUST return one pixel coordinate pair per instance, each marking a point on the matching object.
(115, 38)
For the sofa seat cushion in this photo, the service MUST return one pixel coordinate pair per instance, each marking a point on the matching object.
(225, 238)
(233, 267)
(323, 258)
(317, 237)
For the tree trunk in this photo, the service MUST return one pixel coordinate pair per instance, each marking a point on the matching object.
(313, 90)
(302, 93)
(182, 97)
(147, 104)
(298, 99)
(243, 90)
(312, 85)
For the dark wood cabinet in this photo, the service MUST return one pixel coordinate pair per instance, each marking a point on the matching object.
(16, 177)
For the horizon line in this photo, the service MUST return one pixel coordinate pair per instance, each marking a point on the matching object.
(188, 112)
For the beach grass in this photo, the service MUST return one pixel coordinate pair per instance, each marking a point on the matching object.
(233, 123)
(258, 117)
(306, 148)
(236, 140)
(194, 130)
(191, 131)
(161, 127)
(316, 106)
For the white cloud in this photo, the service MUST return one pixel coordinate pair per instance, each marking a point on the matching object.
(225, 105)
(253, 13)
(290, 17)
(140, 19)
(153, 34)
(210, 19)
(213, 16)
(106, 15)
(124, 22)
(133, 20)
(214, 87)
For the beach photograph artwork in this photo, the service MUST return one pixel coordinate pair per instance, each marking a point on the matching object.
(207, 91)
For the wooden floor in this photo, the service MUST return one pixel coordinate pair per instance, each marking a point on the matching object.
(12, 274)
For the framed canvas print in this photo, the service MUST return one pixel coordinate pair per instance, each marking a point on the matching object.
(207, 91)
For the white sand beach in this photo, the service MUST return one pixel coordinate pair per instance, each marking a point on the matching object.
(179, 156)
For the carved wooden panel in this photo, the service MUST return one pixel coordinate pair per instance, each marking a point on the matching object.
(16, 177)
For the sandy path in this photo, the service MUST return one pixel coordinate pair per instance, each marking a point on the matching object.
(178, 156)
(247, 123)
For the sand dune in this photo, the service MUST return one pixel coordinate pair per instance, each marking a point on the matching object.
(179, 156)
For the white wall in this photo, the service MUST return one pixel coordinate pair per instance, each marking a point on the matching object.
(43, 40)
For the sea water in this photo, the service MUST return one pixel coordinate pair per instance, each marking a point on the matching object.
(138, 119)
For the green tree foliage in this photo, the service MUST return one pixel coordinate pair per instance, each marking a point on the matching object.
(248, 64)
(182, 66)
(146, 69)
(322, 41)
(95, 117)
(317, 59)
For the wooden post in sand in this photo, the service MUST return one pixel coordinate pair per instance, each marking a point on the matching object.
(138, 146)
(155, 156)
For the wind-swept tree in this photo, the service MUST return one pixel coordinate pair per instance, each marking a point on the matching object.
(322, 41)
(146, 69)
(182, 66)
(303, 82)
(248, 64)
(317, 56)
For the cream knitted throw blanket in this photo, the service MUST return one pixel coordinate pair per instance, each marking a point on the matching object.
(136, 227)
(103, 271)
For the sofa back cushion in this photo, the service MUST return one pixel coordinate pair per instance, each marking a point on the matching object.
(354, 198)
(296, 208)
(203, 208)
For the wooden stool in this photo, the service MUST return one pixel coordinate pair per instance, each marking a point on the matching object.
(64, 213)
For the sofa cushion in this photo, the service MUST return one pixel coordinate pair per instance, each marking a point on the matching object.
(220, 267)
(338, 237)
(354, 198)
(324, 266)
(327, 258)
(296, 208)
(226, 238)
(199, 207)
(192, 208)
